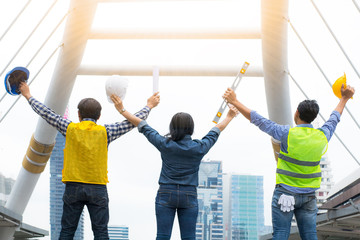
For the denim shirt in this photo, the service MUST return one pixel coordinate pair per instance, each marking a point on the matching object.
(281, 132)
(180, 159)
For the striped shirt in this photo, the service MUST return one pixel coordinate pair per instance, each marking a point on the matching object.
(113, 131)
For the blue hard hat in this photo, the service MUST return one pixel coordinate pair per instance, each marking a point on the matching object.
(13, 78)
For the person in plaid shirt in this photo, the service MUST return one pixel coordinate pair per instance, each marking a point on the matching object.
(85, 160)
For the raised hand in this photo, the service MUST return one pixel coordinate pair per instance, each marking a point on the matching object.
(154, 100)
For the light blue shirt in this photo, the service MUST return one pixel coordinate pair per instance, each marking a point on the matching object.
(281, 132)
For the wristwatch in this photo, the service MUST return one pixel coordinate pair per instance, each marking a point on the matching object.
(122, 110)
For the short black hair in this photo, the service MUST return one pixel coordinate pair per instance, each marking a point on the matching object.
(89, 108)
(17, 77)
(181, 124)
(308, 110)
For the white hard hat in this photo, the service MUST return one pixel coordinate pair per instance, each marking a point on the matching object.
(117, 85)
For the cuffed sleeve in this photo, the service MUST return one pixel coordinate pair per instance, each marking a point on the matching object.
(141, 125)
(216, 129)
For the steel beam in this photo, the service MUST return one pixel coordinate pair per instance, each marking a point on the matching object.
(171, 34)
(214, 71)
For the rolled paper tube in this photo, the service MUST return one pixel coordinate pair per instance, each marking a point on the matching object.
(156, 73)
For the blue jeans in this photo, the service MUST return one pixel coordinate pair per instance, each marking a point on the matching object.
(171, 198)
(305, 214)
(76, 196)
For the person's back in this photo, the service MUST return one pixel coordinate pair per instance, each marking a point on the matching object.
(298, 173)
(178, 180)
(85, 170)
(180, 154)
(299, 167)
(85, 153)
(298, 164)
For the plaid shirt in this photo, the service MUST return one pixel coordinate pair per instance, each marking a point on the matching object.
(113, 131)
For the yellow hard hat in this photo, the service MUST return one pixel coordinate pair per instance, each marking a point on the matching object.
(337, 85)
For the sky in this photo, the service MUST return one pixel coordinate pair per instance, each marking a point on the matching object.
(134, 164)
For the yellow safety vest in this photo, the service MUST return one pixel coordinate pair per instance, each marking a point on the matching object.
(85, 153)
(300, 167)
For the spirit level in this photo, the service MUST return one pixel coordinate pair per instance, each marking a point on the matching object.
(233, 87)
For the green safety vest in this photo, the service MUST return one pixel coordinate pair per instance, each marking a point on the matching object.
(300, 167)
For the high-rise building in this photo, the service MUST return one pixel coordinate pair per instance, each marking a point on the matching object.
(118, 232)
(209, 224)
(244, 207)
(326, 174)
(326, 180)
(5, 188)
(57, 188)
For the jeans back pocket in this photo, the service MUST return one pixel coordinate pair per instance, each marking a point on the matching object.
(163, 197)
(191, 200)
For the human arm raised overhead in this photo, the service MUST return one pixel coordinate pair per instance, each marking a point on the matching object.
(230, 97)
(330, 125)
(230, 115)
(120, 128)
(346, 93)
(152, 102)
(270, 127)
(151, 134)
(43, 111)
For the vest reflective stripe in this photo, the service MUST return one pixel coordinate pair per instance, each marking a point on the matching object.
(300, 167)
(85, 153)
(298, 175)
(298, 162)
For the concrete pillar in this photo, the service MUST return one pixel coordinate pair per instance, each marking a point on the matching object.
(75, 37)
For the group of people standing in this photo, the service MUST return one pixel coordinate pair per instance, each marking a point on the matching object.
(298, 173)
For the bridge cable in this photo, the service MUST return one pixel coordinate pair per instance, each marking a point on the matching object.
(18, 97)
(317, 64)
(356, 5)
(27, 39)
(337, 41)
(15, 19)
(322, 117)
(47, 39)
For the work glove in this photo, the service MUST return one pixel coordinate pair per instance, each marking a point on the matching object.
(286, 203)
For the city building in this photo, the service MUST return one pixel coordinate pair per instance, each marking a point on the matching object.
(327, 181)
(244, 207)
(5, 188)
(57, 188)
(118, 232)
(209, 224)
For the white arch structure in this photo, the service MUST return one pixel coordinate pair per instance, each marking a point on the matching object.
(78, 30)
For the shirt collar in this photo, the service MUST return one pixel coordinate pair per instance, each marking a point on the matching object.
(89, 119)
(308, 125)
(187, 137)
